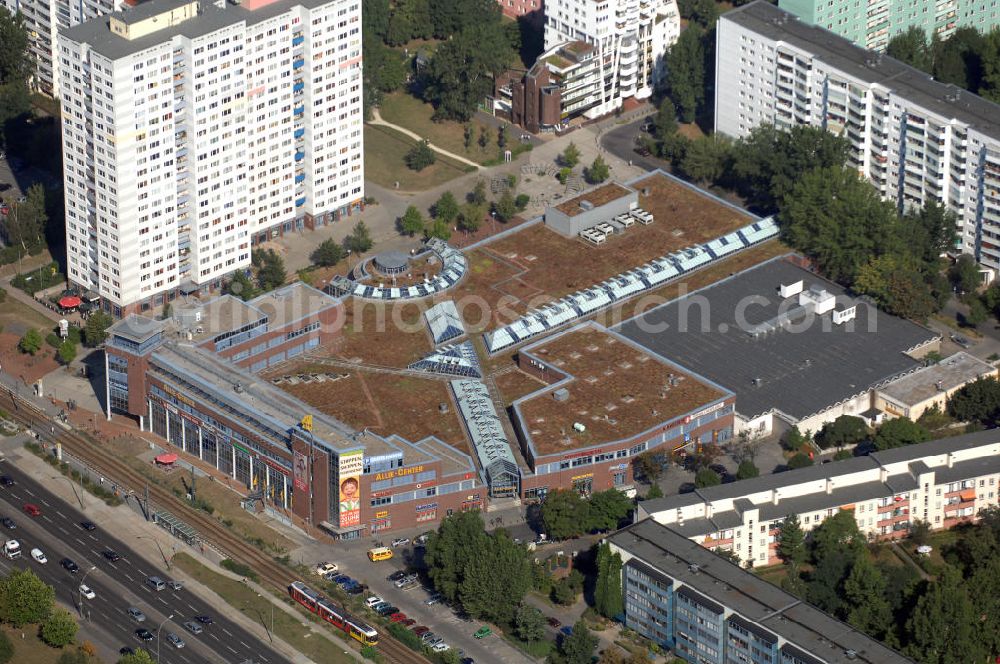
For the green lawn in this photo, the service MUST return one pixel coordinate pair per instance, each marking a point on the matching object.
(384, 165)
(298, 633)
(405, 110)
(31, 649)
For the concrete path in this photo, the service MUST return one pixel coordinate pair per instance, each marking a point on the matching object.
(403, 130)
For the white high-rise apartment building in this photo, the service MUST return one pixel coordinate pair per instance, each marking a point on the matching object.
(916, 139)
(193, 130)
(631, 38)
(43, 18)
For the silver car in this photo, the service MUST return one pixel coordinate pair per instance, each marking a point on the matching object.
(175, 640)
(193, 627)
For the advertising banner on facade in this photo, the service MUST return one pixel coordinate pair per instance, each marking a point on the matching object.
(349, 469)
(300, 472)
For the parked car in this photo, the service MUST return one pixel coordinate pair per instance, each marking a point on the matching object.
(961, 341)
(378, 607)
(396, 576)
(433, 599)
(409, 622)
(400, 541)
(387, 610)
(428, 636)
(373, 600)
(420, 630)
(567, 630)
(397, 617)
(436, 640)
(483, 632)
(340, 578)
(553, 622)
(441, 646)
(325, 568)
(355, 589)
(406, 580)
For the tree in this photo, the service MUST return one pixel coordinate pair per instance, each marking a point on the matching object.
(977, 313)
(665, 120)
(570, 156)
(467, 135)
(791, 541)
(440, 230)
(412, 222)
(614, 603)
(563, 592)
(608, 509)
(239, 285)
(654, 492)
(838, 219)
(964, 274)
(598, 171)
(386, 70)
(611, 655)
(360, 239)
(799, 460)
(943, 628)
(845, 431)
(24, 598)
(685, 79)
(459, 539)
(747, 470)
(505, 207)
(478, 193)
(67, 352)
(602, 564)
(899, 432)
(649, 466)
(956, 59)
(462, 70)
(706, 159)
(864, 595)
(26, 222)
(420, 156)
(706, 477)
(96, 329)
(31, 342)
(979, 401)
(328, 253)
(375, 16)
(899, 285)
(6, 648)
(920, 532)
(565, 514)
(529, 623)
(139, 657)
(270, 269)
(578, 647)
(984, 591)
(912, 48)
(471, 217)
(793, 440)
(59, 629)
(446, 209)
(495, 581)
(837, 532)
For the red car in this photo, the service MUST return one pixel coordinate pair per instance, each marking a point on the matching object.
(420, 630)
(32, 509)
(408, 622)
(397, 617)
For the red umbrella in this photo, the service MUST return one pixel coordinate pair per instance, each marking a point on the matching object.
(167, 458)
(70, 302)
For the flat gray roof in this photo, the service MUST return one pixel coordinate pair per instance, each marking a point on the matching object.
(950, 373)
(800, 371)
(753, 598)
(97, 33)
(864, 65)
(291, 303)
(896, 483)
(137, 328)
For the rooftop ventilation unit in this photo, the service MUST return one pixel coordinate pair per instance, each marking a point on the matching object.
(562, 394)
(694, 568)
(850, 654)
(844, 315)
(238, 387)
(788, 290)
(586, 205)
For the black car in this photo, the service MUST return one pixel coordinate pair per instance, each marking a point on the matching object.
(8, 523)
(719, 469)
(125, 650)
(143, 634)
(69, 566)
(111, 555)
(6, 480)
(88, 525)
(204, 620)
(388, 610)
(396, 576)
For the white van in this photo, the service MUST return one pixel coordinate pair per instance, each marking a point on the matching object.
(38, 556)
(12, 549)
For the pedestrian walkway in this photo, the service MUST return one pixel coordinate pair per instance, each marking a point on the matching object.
(377, 120)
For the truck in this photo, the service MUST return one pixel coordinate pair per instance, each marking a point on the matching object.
(12, 549)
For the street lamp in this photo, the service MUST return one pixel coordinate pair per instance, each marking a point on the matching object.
(157, 542)
(80, 589)
(261, 617)
(73, 486)
(165, 621)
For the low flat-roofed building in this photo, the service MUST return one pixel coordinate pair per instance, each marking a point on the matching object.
(793, 346)
(692, 601)
(590, 208)
(608, 400)
(930, 387)
(942, 483)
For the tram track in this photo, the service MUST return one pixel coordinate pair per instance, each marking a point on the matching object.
(210, 531)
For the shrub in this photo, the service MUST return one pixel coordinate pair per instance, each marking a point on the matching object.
(53, 340)
(239, 568)
(420, 156)
(522, 201)
(406, 637)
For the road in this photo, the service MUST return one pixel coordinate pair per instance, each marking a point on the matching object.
(620, 142)
(119, 585)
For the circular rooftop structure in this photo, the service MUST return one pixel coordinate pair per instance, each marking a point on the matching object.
(391, 262)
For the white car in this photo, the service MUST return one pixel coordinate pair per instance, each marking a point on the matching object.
(86, 591)
(325, 568)
(440, 647)
(372, 601)
(38, 556)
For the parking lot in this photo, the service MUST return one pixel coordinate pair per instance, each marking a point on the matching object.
(456, 631)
